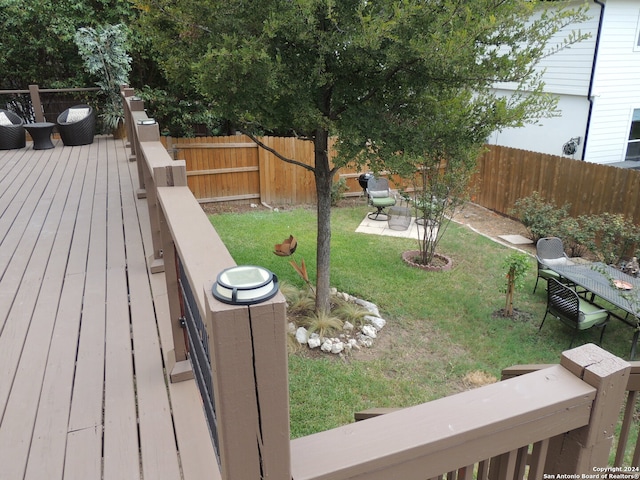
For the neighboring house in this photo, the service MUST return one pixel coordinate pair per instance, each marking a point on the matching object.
(598, 83)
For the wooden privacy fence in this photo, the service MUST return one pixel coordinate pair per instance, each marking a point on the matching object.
(223, 169)
(507, 174)
(554, 420)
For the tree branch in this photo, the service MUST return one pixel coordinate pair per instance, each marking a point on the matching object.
(276, 153)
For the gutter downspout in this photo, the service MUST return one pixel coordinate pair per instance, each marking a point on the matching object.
(591, 80)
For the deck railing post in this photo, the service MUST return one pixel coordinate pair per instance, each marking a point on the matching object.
(151, 133)
(582, 450)
(250, 383)
(174, 176)
(36, 103)
(126, 92)
(131, 104)
(137, 106)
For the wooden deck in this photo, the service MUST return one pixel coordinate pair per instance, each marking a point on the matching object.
(84, 329)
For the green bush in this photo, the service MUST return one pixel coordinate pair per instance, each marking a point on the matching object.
(338, 190)
(541, 218)
(613, 237)
(577, 235)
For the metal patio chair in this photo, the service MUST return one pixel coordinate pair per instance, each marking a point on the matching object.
(549, 251)
(380, 197)
(572, 310)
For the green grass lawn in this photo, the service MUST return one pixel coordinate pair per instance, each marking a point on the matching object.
(440, 324)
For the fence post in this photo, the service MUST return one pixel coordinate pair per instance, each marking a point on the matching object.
(250, 383)
(581, 450)
(34, 92)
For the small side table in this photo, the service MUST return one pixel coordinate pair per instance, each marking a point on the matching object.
(399, 218)
(41, 134)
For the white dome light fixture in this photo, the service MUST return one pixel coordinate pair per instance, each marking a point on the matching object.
(245, 285)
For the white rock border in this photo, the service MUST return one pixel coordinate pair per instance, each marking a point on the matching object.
(350, 338)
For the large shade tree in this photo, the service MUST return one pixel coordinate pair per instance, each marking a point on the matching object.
(387, 78)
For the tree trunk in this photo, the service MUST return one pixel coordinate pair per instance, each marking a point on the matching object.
(508, 309)
(324, 179)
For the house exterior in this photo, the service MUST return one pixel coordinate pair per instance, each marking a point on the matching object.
(598, 84)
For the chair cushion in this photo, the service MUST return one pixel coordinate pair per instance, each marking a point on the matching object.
(544, 273)
(4, 120)
(383, 202)
(591, 315)
(378, 193)
(556, 261)
(77, 114)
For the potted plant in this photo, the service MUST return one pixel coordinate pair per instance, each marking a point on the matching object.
(104, 52)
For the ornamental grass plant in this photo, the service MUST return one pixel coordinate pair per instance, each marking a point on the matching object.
(441, 326)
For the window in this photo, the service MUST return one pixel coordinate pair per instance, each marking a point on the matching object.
(633, 147)
(636, 46)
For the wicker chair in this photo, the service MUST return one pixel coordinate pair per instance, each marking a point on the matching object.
(11, 135)
(77, 125)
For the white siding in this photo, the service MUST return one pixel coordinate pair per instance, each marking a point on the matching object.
(552, 133)
(568, 71)
(616, 88)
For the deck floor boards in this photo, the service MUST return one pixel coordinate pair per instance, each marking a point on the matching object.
(84, 328)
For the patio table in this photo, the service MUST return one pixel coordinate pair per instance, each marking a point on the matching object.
(40, 134)
(598, 279)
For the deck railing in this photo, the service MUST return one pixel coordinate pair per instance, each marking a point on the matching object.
(30, 104)
(625, 446)
(555, 420)
(238, 353)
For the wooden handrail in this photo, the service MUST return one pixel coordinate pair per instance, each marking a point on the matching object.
(428, 440)
(633, 392)
(51, 90)
(456, 432)
(240, 350)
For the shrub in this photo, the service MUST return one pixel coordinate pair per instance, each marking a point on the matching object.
(613, 238)
(577, 235)
(541, 218)
(325, 324)
(338, 190)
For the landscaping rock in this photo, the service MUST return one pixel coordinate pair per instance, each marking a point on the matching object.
(350, 338)
(337, 347)
(302, 336)
(367, 305)
(326, 346)
(369, 331)
(377, 322)
(314, 340)
(365, 341)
